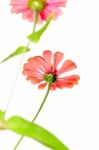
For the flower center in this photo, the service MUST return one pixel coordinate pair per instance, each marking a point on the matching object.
(50, 78)
(37, 5)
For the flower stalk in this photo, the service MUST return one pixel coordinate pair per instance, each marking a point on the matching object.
(37, 113)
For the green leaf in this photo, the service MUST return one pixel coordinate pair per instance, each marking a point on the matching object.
(35, 37)
(1, 115)
(24, 127)
(18, 51)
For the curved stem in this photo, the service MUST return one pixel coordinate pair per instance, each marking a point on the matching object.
(36, 115)
(21, 61)
(45, 97)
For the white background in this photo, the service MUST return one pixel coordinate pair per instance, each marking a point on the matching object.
(71, 114)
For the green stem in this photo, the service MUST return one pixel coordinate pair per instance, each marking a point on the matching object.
(45, 97)
(35, 20)
(36, 115)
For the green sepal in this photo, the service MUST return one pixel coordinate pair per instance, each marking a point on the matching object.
(18, 51)
(35, 37)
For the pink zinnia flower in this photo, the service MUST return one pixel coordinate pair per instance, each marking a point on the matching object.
(45, 8)
(42, 70)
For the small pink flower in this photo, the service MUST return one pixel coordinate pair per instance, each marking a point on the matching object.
(42, 70)
(45, 7)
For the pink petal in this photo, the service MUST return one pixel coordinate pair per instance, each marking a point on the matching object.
(38, 62)
(35, 73)
(68, 81)
(34, 67)
(57, 58)
(62, 85)
(71, 78)
(53, 7)
(47, 55)
(67, 66)
(52, 11)
(18, 2)
(18, 6)
(53, 86)
(34, 80)
(42, 86)
(55, 2)
(28, 14)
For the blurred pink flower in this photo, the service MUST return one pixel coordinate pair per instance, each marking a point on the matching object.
(41, 70)
(47, 8)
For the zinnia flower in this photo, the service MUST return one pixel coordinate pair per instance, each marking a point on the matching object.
(43, 70)
(45, 8)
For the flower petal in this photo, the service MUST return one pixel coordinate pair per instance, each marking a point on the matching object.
(57, 59)
(56, 3)
(62, 85)
(34, 68)
(67, 66)
(34, 80)
(53, 86)
(42, 86)
(47, 55)
(71, 78)
(68, 81)
(38, 62)
(28, 14)
(28, 72)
